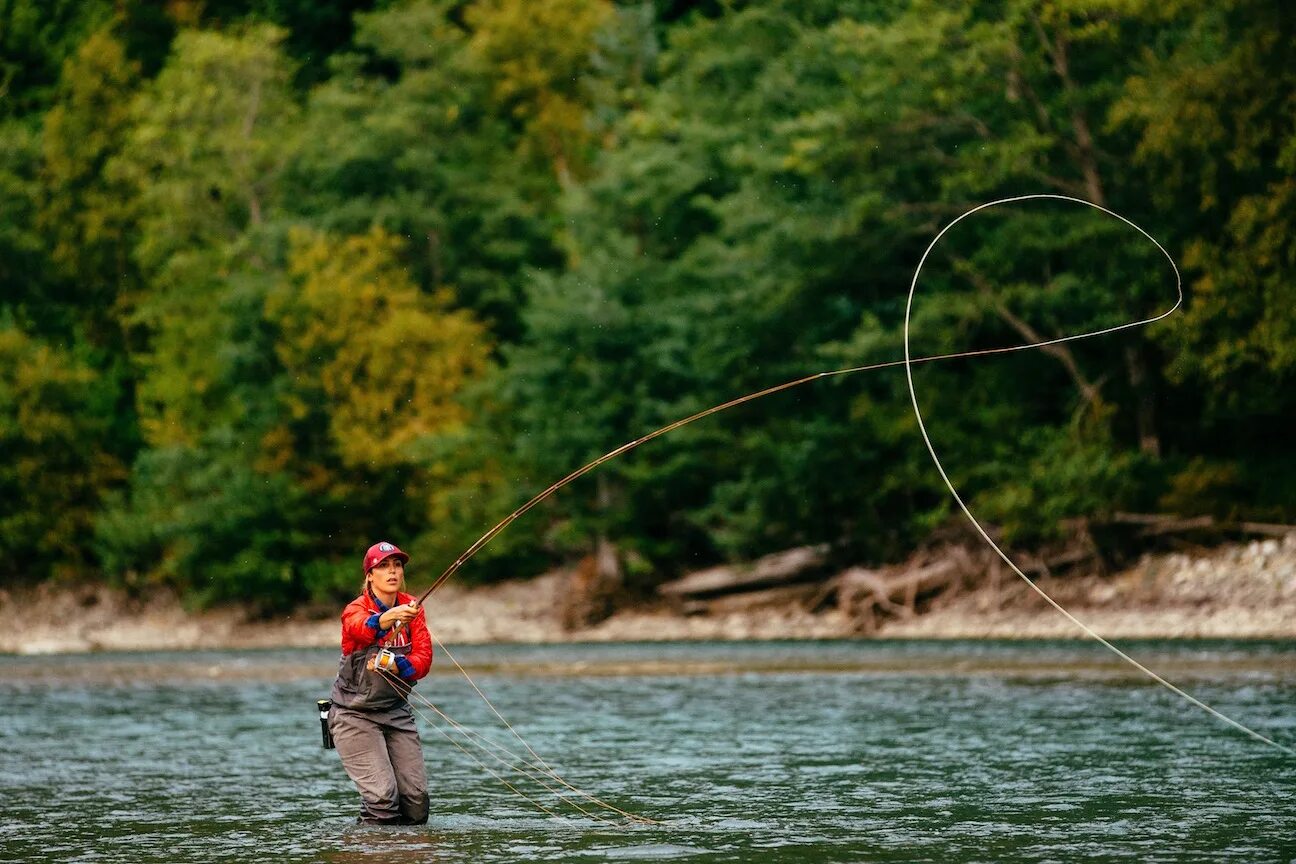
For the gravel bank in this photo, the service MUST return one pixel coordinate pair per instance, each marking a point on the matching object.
(1240, 591)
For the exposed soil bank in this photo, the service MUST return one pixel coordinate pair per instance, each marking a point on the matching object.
(1241, 591)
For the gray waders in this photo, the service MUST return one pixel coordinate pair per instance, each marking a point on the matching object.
(374, 732)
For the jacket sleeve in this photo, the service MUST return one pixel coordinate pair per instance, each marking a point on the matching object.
(359, 626)
(418, 661)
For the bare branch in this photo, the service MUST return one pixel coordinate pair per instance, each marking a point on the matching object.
(1088, 390)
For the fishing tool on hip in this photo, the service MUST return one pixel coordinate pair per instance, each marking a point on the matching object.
(324, 705)
(383, 661)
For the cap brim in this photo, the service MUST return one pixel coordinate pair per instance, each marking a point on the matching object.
(404, 559)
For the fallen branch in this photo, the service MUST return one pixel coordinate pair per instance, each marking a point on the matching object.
(781, 596)
(1155, 524)
(780, 568)
(866, 595)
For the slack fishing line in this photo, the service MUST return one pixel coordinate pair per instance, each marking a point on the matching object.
(530, 767)
(908, 363)
(922, 427)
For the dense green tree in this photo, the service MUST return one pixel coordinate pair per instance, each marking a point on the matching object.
(212, 133)
(36, 36)
(426, 157)
(688, 287)
(84, 215)
(1216, 123)
(26, 280)
(54, 409)
(207, 522)
(207, 140)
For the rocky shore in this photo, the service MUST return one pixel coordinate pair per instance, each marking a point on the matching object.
(1237, 591)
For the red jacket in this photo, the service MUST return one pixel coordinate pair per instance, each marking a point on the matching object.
(360, 631)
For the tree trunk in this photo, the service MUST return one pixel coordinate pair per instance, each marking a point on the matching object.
(434, 258)
(1088, 390)
(1144, 404)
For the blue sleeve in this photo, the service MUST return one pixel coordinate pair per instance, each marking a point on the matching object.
(373, 624)
(404, 668)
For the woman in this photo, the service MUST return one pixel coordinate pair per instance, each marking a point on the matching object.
(371, 721)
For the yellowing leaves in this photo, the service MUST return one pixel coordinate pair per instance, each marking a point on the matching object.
(536, 45)
(85, 216)
(54, 411)
(537, 52)
(386, 360)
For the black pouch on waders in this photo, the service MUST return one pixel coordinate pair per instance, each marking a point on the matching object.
(324, 705)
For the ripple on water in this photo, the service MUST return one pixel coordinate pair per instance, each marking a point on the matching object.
(155, 761)
(651, 852)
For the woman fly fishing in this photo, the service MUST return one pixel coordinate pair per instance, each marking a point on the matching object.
(386, 648)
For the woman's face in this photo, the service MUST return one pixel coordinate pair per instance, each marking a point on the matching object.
(387, 574)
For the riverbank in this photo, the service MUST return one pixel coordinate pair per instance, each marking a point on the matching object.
(1238, 591)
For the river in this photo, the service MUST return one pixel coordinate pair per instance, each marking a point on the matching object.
(871, 751)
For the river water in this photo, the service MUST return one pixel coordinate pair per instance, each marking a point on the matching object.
(874, 751)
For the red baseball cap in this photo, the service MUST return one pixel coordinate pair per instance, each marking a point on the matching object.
(380, 552)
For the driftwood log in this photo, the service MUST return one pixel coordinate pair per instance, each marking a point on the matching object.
(803, 564)
(782, 596)
(1152, 524)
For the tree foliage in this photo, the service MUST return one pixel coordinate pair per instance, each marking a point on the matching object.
(54, 411)
(357, 336)
(83, 213)
(278, 278)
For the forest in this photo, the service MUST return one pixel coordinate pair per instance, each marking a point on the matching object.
(280, 278)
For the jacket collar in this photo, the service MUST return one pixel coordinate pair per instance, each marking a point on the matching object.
(378, 604)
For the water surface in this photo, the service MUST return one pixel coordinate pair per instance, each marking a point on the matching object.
(878, 751)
